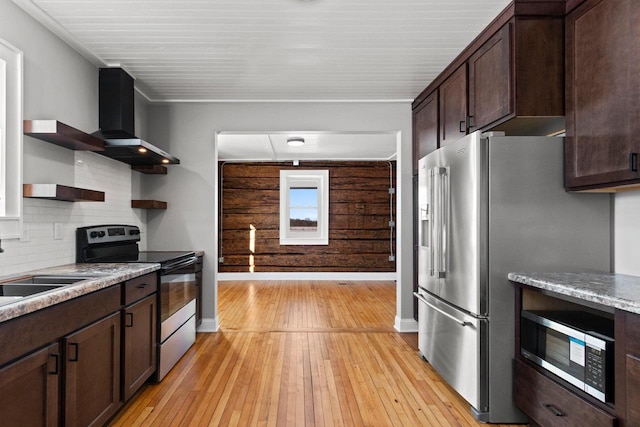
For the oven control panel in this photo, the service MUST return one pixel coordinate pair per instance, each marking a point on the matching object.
(108, 234)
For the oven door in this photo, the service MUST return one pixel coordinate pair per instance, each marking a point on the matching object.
(177, 289)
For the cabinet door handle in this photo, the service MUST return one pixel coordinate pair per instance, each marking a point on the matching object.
(56, 364)
(129, 323)
(555, 411)
(471, 122)
(633, 162)
(463, 126)
(76, 352)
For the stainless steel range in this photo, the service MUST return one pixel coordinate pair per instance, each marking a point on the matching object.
(177, 296)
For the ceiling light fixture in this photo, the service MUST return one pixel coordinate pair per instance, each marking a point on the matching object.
(295, 141)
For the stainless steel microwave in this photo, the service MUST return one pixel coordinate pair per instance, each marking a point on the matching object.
(577, 346)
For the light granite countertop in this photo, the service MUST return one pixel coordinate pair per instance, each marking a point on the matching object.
(612, 290)
(99, 276)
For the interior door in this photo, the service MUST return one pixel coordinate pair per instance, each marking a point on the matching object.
(461, 218)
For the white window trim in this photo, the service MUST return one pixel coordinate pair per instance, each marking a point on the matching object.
(288, 179)
(11, 148)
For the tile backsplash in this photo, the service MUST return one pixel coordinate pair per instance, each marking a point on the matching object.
(49, 226)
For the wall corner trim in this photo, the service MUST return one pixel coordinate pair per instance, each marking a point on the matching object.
(209, 325)
(406, 325)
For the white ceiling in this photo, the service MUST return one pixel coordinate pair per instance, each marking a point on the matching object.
(239, 50)
(318, 146)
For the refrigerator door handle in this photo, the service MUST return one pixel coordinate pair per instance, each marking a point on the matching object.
(443, 220)
(431, 226)
(458, 321)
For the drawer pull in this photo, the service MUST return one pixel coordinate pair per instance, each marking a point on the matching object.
(75, 346)
(633, 162)
(555, 411)
(56, 358)
(129, 322)
(144, 285)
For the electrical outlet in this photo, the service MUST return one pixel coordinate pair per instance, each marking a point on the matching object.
(57, 230)
(25, 234)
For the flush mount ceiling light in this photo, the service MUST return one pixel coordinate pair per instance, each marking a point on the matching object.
(295, 141)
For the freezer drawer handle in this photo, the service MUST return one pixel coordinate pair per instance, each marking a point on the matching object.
(458, 321)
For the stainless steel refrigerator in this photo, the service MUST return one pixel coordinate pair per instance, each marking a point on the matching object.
(487, 205)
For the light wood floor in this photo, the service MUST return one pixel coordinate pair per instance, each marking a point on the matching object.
(303, 353)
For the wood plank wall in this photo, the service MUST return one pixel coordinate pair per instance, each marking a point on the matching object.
(359, 215)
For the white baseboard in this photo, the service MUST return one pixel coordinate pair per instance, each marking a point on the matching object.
(406, 325)
(209, 325)
(306, 276)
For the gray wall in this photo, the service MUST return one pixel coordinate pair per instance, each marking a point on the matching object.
(60, 84)
(187, 130)
(627, 233)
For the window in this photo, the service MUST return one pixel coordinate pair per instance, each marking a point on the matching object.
(10, 139)
(304, 207)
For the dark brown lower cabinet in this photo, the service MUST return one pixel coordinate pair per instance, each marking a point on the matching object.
(29, 389)
(629, 347)
(139, 361)
(547, 403)
(92, 373)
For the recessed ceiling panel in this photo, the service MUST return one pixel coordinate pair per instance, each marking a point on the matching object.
(317, 146)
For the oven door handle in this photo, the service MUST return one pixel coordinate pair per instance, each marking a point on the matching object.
(179, 264)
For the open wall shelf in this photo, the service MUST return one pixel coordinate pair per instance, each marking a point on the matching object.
(61, 192)
(63, 135)
(148, 204)
(150, 169)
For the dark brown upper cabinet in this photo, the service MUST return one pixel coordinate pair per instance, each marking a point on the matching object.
(510, 78)
(490, 81)
(516, 78)
(603, 96)
(453, 107)
(425, 129)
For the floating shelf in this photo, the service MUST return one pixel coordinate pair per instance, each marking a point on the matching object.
(148, 204)
(63, 135)
(150, 169)
(61, 192)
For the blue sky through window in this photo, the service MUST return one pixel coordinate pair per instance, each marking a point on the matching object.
(303, 203)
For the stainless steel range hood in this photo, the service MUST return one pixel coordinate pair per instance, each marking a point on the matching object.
(117, 122)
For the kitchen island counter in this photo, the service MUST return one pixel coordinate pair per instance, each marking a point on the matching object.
(99, 276)
(618, 291)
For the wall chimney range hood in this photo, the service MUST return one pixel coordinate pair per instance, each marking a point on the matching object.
(117, 122)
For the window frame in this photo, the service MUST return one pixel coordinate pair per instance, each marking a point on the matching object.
(289, 178)
(11, 148)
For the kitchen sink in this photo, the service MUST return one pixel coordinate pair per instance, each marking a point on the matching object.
(14, 290)
(25, 289)
(50, 279)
